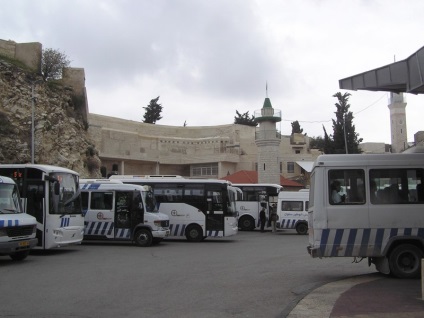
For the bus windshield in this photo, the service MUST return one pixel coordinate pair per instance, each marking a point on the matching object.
(68, 201)
(151, 205)
(9, 199)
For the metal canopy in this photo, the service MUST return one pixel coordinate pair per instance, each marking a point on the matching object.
(406, 76)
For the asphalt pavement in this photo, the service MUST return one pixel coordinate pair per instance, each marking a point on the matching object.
(371, 295)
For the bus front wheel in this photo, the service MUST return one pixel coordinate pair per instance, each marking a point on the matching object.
(143, 238)
(194, 233)
(19, 256)
(302, 228)
(246, 223)
(405, 261)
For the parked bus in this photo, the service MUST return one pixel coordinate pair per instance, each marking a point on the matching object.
(197, 208)
(292, 210)
(254, 197)
(369, 206)
(51, 195)
(122, 212)
(17, 229)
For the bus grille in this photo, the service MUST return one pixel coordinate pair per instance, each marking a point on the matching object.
(19, 230)
(164, 223)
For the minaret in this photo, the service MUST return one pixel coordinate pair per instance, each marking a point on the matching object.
(398, 122)
(268, 141)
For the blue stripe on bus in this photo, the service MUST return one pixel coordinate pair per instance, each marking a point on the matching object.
(324, 240)
(337, 241)
(9, 223)
(368, 244)
(351, 242)
(364, 242)
(99, 225)
(378, 241)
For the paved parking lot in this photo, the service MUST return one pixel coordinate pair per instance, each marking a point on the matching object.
(250, 275)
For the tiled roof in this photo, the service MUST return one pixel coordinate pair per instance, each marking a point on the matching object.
(246, 176)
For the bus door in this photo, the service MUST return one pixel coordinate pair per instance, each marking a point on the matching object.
(123, 209)
(215, 213)
(34, 205)
(99, 216)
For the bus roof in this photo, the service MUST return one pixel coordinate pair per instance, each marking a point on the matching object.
(45, 168)
(113, 186)
(392, 159)
(174, 180)
(7, 180)
(128, 176)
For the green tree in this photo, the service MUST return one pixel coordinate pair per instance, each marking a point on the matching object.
(345, 139)
(244, 119)
(296, 128)
(317, 143)
(153, 111)
(52, 64)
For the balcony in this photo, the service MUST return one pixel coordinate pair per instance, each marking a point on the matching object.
(267, 114)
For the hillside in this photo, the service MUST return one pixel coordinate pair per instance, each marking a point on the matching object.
(60, 131)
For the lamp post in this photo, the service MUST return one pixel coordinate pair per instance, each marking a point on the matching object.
(33, 99)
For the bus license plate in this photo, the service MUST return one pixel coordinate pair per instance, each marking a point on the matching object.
(24, 243)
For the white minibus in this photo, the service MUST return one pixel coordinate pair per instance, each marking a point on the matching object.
(255, 196)
(50, 194)
(124, 212)
(197, 208)
(369, 206)
(292, 210)
(17, 229)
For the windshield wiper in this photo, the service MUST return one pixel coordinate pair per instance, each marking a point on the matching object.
(8, 210)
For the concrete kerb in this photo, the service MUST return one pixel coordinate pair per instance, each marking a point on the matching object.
(320, 302)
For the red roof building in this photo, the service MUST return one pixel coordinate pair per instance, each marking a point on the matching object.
(246, 176)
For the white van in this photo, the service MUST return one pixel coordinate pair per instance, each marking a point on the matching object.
(117, 211)
(292, 210)
(369, 206)
(17, 229)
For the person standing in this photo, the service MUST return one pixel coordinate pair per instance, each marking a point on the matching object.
(274, 218)
(262, 218)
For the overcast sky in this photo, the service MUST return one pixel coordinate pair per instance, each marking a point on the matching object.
(208, 58)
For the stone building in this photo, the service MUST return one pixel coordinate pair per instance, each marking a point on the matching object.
(130, 147)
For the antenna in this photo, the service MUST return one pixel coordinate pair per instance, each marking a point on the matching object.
(266, 89)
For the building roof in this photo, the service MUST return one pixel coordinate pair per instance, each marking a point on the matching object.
(247, 176)
(400, 77)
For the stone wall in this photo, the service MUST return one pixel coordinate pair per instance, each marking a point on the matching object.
(60, 136)
(26, 53)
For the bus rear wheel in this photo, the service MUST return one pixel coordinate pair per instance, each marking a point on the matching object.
(302, 228)
(246, 223)
(19, 256)
(405, 261)
(194, 233)
(143, 238)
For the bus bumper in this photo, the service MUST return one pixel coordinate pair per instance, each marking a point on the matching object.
(314, 251)
(161, 233)
(7, 248)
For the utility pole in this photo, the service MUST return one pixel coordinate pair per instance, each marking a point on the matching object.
(33, 100)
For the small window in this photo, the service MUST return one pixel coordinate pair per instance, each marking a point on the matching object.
(290, 167)
(346, 186)
(396, 186)
(101, 200)
(291, 205)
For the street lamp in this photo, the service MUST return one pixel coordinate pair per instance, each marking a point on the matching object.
(33, 100)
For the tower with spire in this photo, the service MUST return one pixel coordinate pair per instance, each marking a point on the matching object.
(268, 141)
(398, 132)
